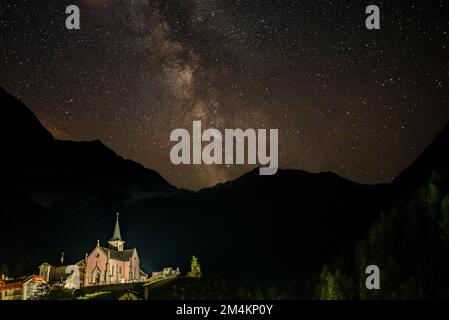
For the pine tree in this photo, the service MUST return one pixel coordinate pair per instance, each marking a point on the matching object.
(444, 220)
(195, 268)
(335, 286)
(258, 293)
(272, 293)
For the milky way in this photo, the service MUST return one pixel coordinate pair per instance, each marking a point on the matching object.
(360, 103)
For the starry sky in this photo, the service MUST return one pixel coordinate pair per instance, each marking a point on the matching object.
(360, 103)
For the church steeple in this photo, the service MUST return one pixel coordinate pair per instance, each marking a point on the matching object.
(117, 242)
(117, 235)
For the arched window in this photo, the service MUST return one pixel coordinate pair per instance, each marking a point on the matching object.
(96, 277)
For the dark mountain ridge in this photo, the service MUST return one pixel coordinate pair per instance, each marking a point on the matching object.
(47, 169)
(433, 158)
(255, 229)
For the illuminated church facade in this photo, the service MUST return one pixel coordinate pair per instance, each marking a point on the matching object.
(113, 264)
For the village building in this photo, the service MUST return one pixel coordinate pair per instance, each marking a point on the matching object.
(103, 266)
(20, 288)
(68, 276)
(166, 273)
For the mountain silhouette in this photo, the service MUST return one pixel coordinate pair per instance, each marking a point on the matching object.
(409, 241)
(435, 157)
(47, 169)
(255, 230)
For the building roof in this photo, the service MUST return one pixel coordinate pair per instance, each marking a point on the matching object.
(17, 283)
(124, 255)
(117, 235)
(78, 263)
(58, 273)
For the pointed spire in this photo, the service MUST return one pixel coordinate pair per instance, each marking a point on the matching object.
(117, 235)
(62, 258)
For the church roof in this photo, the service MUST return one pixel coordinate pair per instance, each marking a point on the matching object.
(119, 255)
(117, 235)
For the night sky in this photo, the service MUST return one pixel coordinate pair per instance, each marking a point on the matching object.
(360, 103)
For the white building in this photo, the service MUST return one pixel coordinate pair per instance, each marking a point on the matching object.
(20, 288)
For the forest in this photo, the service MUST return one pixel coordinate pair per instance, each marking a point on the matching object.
(409, 243)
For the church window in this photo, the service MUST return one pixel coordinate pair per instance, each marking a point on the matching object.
(96, 277)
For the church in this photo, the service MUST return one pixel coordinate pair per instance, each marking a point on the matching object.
(104, 265)
(113, 264)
